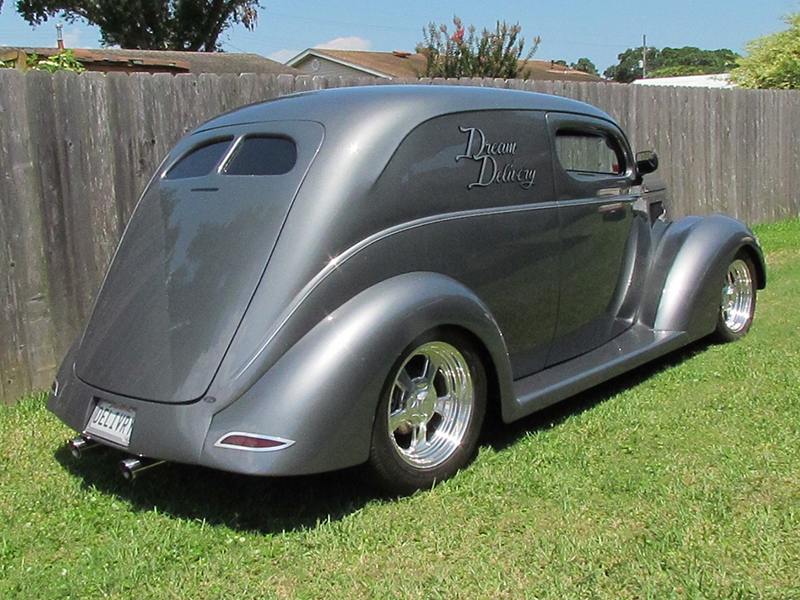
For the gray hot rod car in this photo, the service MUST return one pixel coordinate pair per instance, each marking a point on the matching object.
(355, 276)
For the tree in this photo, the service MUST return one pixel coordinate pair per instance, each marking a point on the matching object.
(630, 65)
(669, 62)
(772, 61)
(495, 53)
(585, 65)
(690, 60)
(150, 24)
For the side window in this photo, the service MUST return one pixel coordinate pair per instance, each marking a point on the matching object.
(262, 155)
(589, 153)
(199, 161)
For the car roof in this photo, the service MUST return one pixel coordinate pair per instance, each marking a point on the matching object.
(409, 104)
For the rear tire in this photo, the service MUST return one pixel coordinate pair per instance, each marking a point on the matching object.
(738, 301)
(429, 415)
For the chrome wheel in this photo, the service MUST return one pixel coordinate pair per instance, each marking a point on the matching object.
(430, 413)
(738, 298)
(431, 404)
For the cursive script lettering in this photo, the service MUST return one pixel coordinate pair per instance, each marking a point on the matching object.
(494, 166)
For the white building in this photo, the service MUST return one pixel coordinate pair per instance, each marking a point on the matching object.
(721, 80)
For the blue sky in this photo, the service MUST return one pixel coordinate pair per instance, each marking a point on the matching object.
(569, 29)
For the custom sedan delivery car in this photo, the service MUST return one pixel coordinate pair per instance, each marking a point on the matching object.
(357, 275)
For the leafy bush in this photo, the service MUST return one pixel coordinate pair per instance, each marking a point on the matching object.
(495, 53)
(63, 61)
(772, 61)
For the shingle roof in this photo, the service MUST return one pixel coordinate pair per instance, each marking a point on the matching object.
(390, 64)
(407, 65)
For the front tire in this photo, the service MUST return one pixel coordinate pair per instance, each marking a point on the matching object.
(738, 302)
(429, 415)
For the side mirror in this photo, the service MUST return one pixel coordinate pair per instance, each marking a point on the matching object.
(646, 162)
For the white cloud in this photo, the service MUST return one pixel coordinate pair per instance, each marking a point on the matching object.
(347, 43)
(72, 38)
(282, 56)
(340, 43)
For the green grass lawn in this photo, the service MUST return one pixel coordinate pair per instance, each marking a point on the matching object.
(680, 480)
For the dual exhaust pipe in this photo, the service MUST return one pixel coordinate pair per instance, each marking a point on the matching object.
(133, 466)
(81, 445)
(130, 467)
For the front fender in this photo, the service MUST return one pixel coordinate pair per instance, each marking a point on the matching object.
(689, 269)
(323, 392)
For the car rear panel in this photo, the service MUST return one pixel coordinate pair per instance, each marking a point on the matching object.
(188, 264)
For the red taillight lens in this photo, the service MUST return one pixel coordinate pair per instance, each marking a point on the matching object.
(254, 442)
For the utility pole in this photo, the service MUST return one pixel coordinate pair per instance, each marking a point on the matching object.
(644, 56)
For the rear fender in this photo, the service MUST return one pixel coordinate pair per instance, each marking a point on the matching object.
(683, 292)
(323, 392)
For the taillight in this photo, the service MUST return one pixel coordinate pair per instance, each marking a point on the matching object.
(252, 442)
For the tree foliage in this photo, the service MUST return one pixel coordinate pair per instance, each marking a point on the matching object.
(463, 53)
(772, 61)
(668, 62)
(150, 24)
(630, 66)
(585, 65)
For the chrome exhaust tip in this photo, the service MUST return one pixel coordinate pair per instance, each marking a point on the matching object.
(133, 466)
(80, 445)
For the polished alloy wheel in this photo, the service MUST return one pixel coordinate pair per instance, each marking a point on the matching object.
(738, 296)
(430, 405)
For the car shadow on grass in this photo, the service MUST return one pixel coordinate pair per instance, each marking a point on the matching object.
(501, 436)
(240, 502)
(278, 504)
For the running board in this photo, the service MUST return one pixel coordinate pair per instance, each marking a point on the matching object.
(634, 347)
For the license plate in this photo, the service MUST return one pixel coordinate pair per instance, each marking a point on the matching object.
(112, 422)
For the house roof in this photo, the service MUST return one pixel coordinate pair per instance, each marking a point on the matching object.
(114, 59)
(379, 64)
(410, 66)
(552, 71)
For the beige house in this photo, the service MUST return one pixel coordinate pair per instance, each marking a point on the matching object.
(386, 65)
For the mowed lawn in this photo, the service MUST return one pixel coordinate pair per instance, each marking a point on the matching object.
(680, 480)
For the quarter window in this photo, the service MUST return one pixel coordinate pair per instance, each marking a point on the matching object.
(263, 155)
(589, 153)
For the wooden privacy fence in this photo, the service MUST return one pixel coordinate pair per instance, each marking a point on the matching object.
(77, 150)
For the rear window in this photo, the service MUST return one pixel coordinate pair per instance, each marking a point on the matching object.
(199, 161)
(262, 155)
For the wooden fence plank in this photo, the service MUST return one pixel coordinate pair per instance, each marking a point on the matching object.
(27, 358)
(79, 150)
